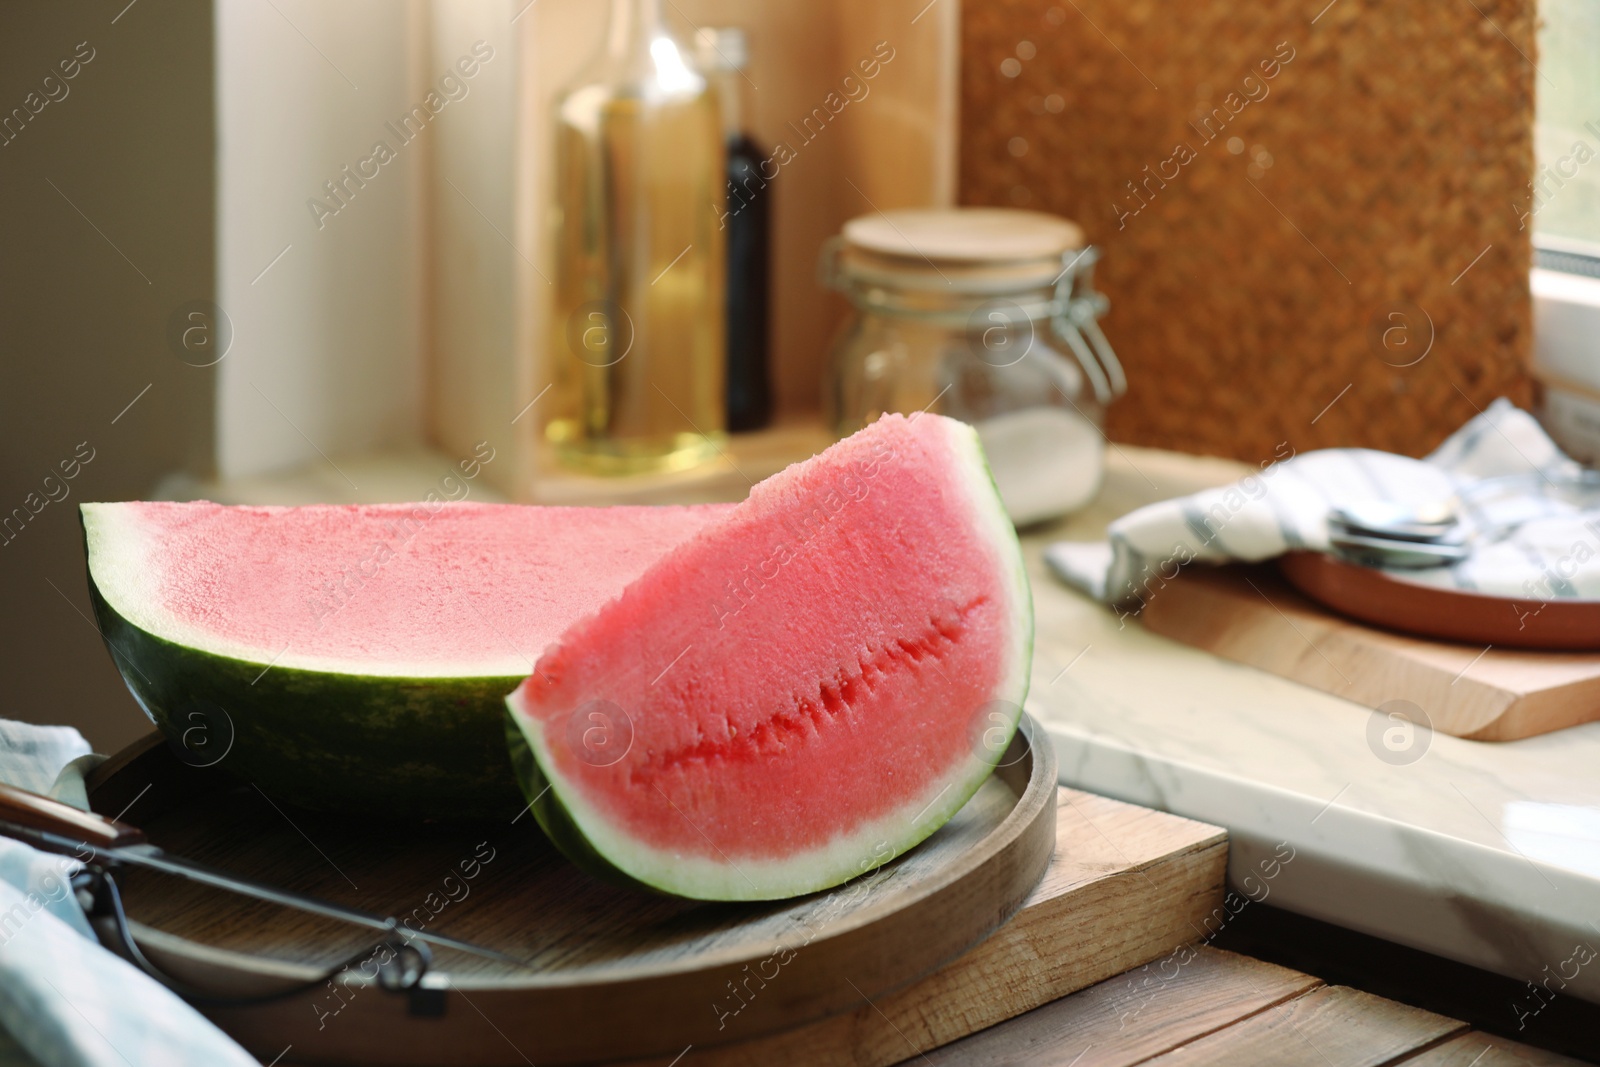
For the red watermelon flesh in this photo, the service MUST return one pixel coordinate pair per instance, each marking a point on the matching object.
(799, 690)
(414, 590)
(356, 658)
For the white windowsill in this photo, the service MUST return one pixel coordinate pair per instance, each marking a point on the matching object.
(1566, 323)
(410, 473)
(376, 478)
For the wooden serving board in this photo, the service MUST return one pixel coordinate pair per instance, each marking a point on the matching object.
(1250, 615)
(1126, 886)
(611, 973)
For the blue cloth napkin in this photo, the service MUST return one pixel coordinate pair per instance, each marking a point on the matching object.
(64, 999)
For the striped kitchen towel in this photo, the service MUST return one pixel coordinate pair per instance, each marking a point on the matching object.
(64, 1000)
(1533, 535)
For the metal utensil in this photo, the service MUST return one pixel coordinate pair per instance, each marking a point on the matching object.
(1440, 519)
(1388, 533)
(1437, 520)
(94, 839)
(1397, 552)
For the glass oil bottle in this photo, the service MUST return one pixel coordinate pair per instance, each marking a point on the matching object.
(639, 328)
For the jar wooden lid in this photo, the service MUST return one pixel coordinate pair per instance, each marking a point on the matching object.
(974, 249)
(965, 234)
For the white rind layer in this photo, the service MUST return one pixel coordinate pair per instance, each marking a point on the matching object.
(871, 844)
(125, 564)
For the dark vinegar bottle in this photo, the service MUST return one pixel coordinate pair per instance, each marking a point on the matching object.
(748, 223)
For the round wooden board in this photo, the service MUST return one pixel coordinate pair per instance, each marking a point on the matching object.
(612, 973)
(1452, 614)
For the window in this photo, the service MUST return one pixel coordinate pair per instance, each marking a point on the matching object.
(1565, 199)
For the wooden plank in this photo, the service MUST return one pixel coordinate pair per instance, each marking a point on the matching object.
(1505, 695)
(1129, 1018)
(1329, 1025)
(1485, 1050)
(1126, 886)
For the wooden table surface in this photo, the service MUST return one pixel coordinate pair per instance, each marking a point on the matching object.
(1207, 1006)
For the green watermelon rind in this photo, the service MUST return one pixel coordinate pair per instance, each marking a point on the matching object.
(559, 812)
(552, 815)
(362, 744)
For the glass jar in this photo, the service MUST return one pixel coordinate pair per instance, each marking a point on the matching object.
(987, 315)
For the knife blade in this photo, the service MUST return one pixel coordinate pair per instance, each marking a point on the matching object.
(60, 828)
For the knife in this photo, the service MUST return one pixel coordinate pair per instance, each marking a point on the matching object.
(55, 827)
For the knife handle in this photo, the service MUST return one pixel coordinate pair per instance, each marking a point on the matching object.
(22, 808)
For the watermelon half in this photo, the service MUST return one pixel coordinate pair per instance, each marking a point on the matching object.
(356, 658)
(798, 692)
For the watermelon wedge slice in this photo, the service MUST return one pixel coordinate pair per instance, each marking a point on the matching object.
(356, 659)
(800, 691)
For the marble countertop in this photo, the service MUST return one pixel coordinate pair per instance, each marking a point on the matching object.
(1483, 852)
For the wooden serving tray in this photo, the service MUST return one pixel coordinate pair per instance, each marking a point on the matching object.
(1483, 692)
(613, 973)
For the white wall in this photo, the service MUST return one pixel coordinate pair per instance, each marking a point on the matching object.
(417, 313)
(478, 257)
(333, 333)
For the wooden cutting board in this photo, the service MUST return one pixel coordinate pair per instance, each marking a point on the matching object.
(1251, 616)
(1127, 887)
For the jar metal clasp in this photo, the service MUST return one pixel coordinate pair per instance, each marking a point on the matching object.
(1079, 308)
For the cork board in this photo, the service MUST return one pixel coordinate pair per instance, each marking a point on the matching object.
(1351, 270)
